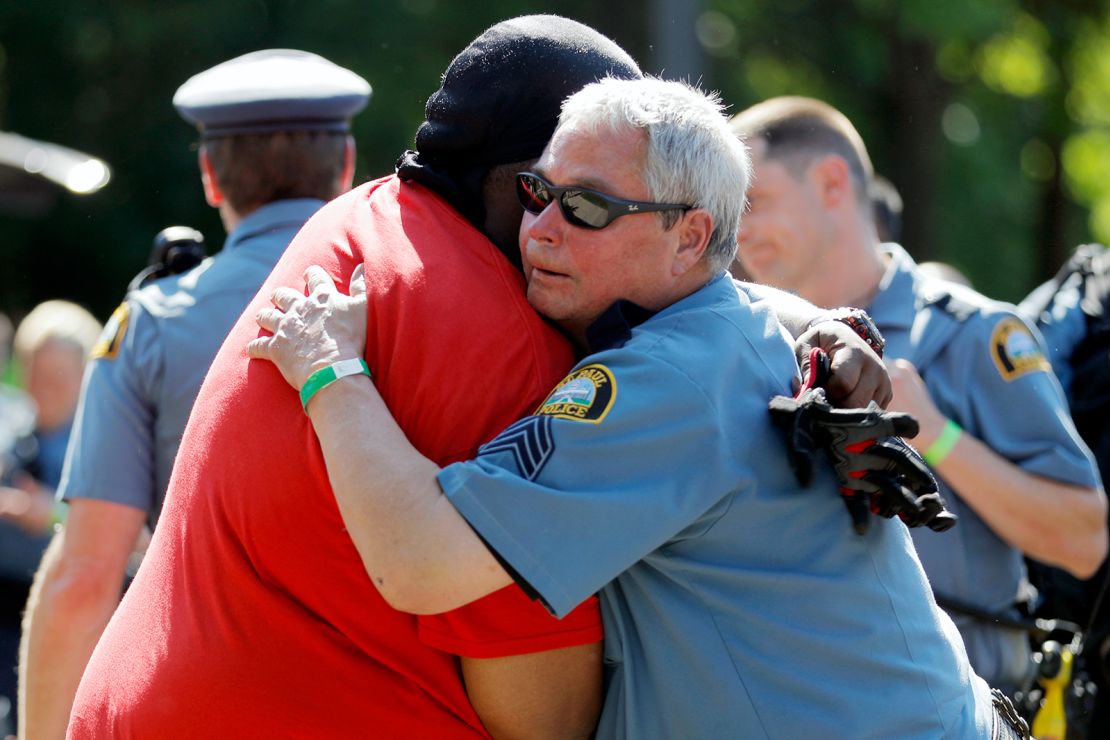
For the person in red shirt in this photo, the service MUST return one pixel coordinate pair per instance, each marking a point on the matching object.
(252, 613)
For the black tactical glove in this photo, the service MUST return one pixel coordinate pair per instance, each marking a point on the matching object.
(878, 472)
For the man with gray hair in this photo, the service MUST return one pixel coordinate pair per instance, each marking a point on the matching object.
(735, 604)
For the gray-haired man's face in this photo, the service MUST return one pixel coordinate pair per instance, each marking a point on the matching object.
(574, 273)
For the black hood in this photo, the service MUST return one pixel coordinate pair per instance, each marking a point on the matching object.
(500, 102)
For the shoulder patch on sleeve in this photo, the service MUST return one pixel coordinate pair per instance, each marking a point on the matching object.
(107, 347)
(1014, 350)
(529, 441)
(586, 394)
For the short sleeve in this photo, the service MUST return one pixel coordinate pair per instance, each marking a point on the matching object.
(624, 455)
(1018, 405)
(507, 622)
(111, 448)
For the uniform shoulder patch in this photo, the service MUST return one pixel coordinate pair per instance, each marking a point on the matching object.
(529, 441)
(586, 394)
(107, 347)
(1014, 350)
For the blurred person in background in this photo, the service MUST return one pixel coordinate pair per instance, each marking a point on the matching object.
(51, 345)
(275, 145)
(994, 426)
(17, 415)
(1072, 310)
(886, 203)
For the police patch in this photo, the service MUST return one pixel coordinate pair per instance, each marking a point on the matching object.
(586, 394)
(1014, 350)
(107, 347)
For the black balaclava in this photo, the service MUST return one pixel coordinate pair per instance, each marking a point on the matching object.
(500, 101)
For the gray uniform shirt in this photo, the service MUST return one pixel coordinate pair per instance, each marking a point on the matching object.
(985, 370)
(138, 391)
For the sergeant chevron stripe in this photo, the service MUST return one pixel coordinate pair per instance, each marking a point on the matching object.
(530, 442)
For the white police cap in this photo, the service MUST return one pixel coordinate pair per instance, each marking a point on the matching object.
(272, 90)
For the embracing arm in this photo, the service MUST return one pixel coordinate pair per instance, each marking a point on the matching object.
(421, 554)
(856, 374)
(419, 551)
(424, 558)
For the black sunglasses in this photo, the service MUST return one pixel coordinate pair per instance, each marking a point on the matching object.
(581, 207)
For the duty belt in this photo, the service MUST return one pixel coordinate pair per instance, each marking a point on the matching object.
(1007, 723)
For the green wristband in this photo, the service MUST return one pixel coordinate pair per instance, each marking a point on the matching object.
(58, 511)
(942, 446)
(324, 377)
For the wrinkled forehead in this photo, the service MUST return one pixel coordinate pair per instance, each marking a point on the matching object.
(564, 140)
(589, 154)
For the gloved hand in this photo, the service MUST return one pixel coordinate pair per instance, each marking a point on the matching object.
(878, 472)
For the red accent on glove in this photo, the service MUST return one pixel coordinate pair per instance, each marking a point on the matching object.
(814, 377)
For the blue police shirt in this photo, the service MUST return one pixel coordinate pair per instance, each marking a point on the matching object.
(153, 355)
(735, 604)
(1062, 323)
(985, 370)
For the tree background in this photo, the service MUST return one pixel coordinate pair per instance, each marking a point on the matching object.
(992, 117)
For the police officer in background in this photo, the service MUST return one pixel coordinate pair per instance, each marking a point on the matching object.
(994, 425)
(1072, 310)
(275, 145)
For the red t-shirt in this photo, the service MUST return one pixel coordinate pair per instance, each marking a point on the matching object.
(252, 615)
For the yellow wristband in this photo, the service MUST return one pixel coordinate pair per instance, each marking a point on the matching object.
(942, 446)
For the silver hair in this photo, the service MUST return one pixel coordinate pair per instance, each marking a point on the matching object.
(692, 155)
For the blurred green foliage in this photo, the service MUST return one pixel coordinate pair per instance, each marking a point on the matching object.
(991, 116)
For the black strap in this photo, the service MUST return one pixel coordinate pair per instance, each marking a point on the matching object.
(1040, 629)
(1093, 261)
